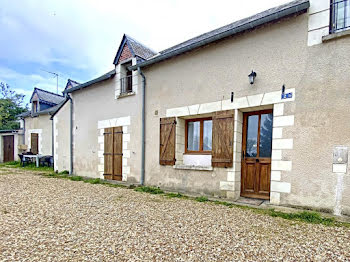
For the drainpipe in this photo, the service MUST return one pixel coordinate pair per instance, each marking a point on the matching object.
(24, 131)
(143, 127)
(53, 135)
(70, 134)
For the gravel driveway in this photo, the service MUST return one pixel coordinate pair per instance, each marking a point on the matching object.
(49, 219)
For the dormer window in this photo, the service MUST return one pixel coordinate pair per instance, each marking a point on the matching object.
(35, 106)
(126, 81)
(340, 15)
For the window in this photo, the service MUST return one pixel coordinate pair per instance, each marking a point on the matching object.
(199, 135)
(340, 15)
(35, 106)
(126, 83)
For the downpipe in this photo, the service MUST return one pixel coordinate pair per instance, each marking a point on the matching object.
(142, 181)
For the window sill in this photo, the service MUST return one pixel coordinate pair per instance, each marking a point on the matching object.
(199, 168)
(341, 34)
(126, 94)
(198, 153)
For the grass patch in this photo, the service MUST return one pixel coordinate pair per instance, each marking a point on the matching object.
(306, 216)
(64, 172)
(201, 199)
(30, 166)
(174, 195)
(93, 181)
(150, 190)
(76, 178)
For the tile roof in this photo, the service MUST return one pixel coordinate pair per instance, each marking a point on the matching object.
(71, 83)
(251, 22)
(47, 97)
(137, 49)
(104, 77)
(234, 25)
(140, 49)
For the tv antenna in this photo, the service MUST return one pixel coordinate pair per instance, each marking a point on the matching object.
(55, 75)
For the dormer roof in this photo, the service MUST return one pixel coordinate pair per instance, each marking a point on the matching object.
(136, 49)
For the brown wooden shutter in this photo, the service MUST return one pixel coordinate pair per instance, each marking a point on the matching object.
(34, 141)
(222, 151)
(167, 141)
(117, 153)
(113, 153)
(108, 153)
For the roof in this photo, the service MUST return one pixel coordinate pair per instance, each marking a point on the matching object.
(58, 107)
(47, 97)
(71, 83)
(136, 48)
(104, 77)
(242, 25)
(51, 110)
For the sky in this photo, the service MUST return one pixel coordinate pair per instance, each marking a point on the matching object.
(78, 39)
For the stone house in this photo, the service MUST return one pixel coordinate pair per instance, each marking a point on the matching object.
(36, 123)
(95, 108)
(254, 109)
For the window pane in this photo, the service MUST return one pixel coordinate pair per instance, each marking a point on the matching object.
(252, 135)
(193, 131)
(207, 134)
(265, 135)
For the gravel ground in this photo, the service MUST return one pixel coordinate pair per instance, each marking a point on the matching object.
(49, 219)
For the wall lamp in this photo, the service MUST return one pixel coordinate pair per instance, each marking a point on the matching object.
(252, 76)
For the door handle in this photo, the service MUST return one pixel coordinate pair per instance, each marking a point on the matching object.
(257, 160)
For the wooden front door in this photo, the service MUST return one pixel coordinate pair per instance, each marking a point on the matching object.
(256, 154)
(8, 148)
(113, 153)
(34, 143)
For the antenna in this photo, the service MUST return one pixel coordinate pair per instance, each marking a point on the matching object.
(55, 74)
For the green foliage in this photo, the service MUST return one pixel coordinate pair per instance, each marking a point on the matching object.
(148, 189)
(202, 199)
(306, 216)
(13, 163)
(11, 104)
(93, 181)
(64, 172)
(174, 195)
(76, 178)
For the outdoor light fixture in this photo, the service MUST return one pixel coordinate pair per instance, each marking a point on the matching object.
(252, 77)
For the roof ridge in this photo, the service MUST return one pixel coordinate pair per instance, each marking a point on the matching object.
(285, 5)
(47, 91)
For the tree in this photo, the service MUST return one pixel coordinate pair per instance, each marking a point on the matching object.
(11, 104)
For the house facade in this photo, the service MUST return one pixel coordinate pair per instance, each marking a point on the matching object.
(106, 120)
(37, 126)
(254, 109)
(282, 138)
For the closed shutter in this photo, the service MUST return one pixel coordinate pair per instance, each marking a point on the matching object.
(113, 153)
(167, 141)
(34, 143)
(117, 152)
(222, 148)
(108, 153)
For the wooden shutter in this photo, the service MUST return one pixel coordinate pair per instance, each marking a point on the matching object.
(34, 139)
(167, 141)
(222, 147)
(117, 153)
(108, 153)
(113, 153)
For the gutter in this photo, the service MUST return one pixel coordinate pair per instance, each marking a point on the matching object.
(143, 137)
(247, 26)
